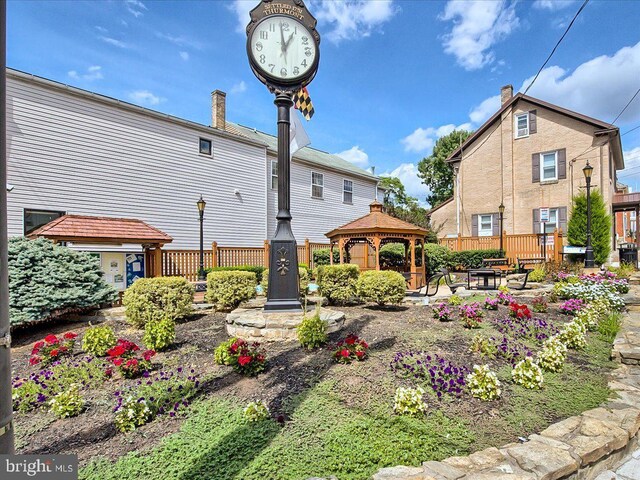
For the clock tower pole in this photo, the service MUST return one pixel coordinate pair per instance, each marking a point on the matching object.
(283, 293)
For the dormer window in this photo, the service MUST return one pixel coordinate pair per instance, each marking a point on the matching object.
(522, 125)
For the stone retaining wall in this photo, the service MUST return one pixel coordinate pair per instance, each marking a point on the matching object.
(579, 447)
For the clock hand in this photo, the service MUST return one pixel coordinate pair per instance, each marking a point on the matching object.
(286, 45)
(283, 45)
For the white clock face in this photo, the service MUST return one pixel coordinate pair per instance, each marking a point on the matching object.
(282, 47)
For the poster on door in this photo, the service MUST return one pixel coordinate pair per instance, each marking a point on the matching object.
(135, 267)
(113, 268)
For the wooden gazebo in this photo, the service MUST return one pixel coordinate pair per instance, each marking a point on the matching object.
(373, 231)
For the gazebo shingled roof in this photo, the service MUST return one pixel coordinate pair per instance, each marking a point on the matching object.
(376, 228)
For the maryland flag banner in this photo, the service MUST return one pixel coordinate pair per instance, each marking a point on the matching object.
(302, 101)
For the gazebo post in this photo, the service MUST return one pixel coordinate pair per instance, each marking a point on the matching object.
(424, 265)
(341, 246)
(376, 244)
(366, 254)
(331, 252)
(413, 263)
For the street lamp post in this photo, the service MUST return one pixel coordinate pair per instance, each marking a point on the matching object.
(589, 261)
(501, 210)
(201, 204)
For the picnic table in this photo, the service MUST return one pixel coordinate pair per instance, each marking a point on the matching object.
(484, 274)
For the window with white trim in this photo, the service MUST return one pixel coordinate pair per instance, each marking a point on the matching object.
(317, 185)
(522, 125)
(485, 225)
(347, 191)
(548, 166)
(274, 175)
(552, 224)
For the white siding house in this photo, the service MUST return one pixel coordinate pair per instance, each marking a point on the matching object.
(77, 152)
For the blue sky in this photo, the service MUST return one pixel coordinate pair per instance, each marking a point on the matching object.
(393, 76)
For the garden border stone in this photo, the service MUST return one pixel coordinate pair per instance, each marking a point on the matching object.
(577, 448)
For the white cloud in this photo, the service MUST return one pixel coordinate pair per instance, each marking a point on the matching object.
(145, 98)
(408, 175)
(180, 40)
(552, 4)
(239, 87)
(355, 155)
(184, 56)
(101, 29)
(94, 72)
(135, 7)
(477, 26)
(353, 19)
(423, 139)
(348, 19)
(114, 42)
(486, 108)
(242, 8)
(600, 87)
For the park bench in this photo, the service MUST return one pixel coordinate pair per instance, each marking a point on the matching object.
(527, 265)
(501, 264)
(435, 278)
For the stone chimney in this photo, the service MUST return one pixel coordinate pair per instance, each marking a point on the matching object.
(506, 93)
(218, 109)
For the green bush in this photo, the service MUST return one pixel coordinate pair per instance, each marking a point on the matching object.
(47, 281)
(437, 257)
(321, 256)
(97, 340)
(303, 276)
(227, 290)
(392, 255)
(466, 259)
(381, 286)
(159, 334)
(68, 403)
(538, 274)
(338, 282)
(222, 355)
(259, 271)
(600, 225)
(156, 298)
(312, 332)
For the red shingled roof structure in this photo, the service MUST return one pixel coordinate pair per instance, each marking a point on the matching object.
(378, 221)
(87, 229)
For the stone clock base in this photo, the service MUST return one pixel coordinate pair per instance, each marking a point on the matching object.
(254, 324)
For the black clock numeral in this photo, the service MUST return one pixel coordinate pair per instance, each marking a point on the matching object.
(295, 30)
(259, 46)
(307, 51)
(285, 27)
(272, 27)
(263, 59)
(264, 35)
(304, 63)
(305, 40)
(272, 66)
(296, 70)
(283, 72)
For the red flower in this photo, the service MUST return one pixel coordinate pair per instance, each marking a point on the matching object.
(34, 360)
(351, 339)
(364, 344)
(117, 362)
(70, 335)
(260, 358)
(345, 353)
(148, 354)
(38, 345)
(108, 372)
(360, 354)
(51, 339)
(132, 362)
(54, 352)
(244, 360)
(35, 350)
(63, 349)
(116, 351)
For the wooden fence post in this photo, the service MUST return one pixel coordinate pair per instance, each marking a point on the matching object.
(266, 254)
(459, 243)
(307, 253)
(214, 254)
(557, 239)
(158, 262)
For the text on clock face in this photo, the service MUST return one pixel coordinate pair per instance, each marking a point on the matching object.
(282, 47)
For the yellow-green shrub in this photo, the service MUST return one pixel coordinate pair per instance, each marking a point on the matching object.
(312, 332)
(338, 282)
(303, 277)
(156, 298)
(226, 290)
(97, 340)
(538, 274)
(159, 334)
(381, 286)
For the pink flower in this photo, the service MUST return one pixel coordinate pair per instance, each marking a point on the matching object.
(70, 335)
(148, 354)
(51, 339)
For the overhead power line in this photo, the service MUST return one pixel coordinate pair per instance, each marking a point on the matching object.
(627, 106)
(629, 131)
(557, 45)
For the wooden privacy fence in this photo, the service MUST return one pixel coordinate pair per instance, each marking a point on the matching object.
(515, 246)
(186, 263)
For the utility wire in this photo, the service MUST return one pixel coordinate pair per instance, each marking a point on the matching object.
(629, 131)
(627, 105)
(557, 45)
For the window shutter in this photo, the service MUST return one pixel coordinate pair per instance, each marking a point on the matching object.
(562, 219)
(474, 225)
(562, 163)
(535, 167)
(495, 224)
(533, 122)
(536, 220)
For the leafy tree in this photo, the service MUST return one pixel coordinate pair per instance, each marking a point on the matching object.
(600, 225)
(435, 173)
(48, 280)
(399, 204)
